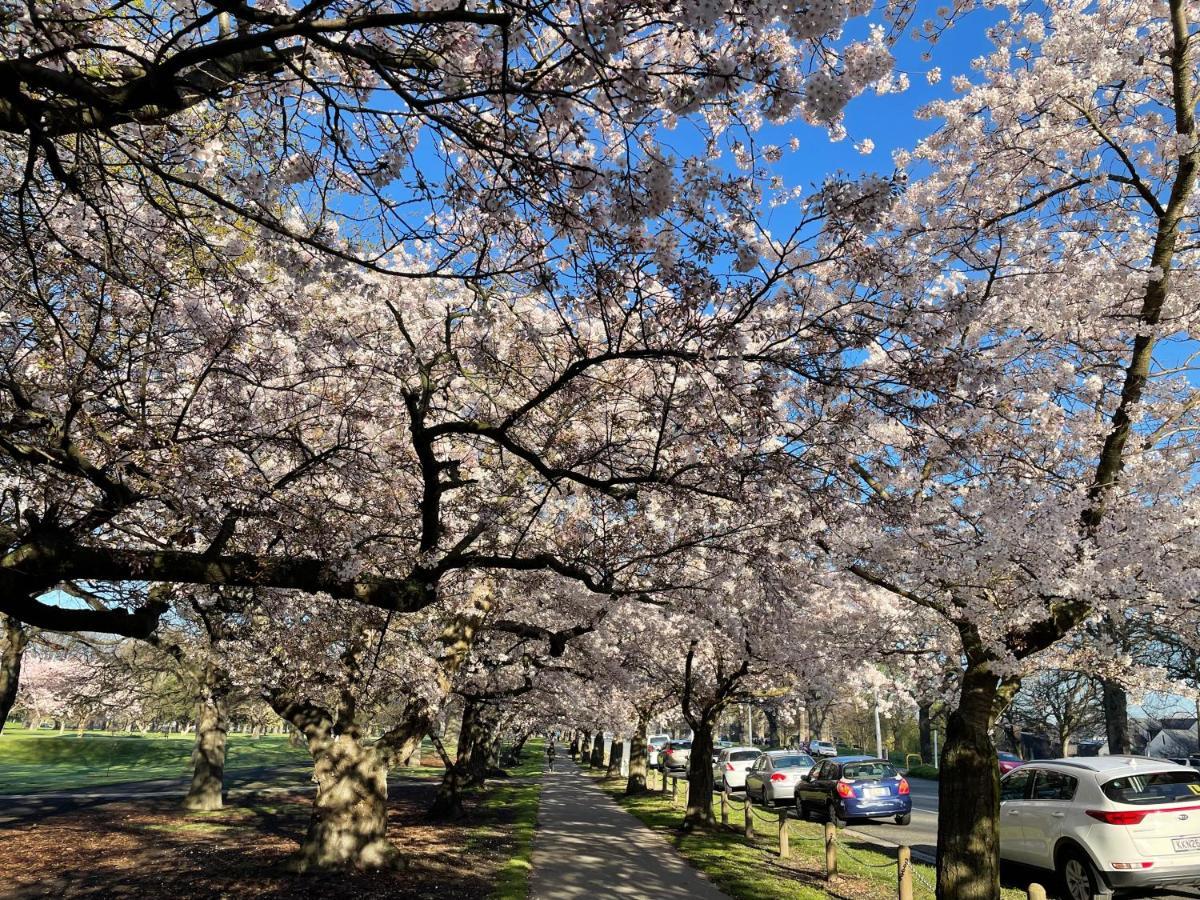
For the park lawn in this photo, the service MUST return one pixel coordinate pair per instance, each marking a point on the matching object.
(44, 760)
(750, 868)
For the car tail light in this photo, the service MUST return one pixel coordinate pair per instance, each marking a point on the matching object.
(844, 789)
(1118, 817)
(1132, 865)
(903, 787)
(729, 767)
(778, 776)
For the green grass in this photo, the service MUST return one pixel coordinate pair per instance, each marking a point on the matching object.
(520, 805)
(923, 771)
(750, 869)
(43, 760)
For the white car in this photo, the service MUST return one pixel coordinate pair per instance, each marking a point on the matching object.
(730, 769)
(1104, 822)
(822, 748)
(654, 747)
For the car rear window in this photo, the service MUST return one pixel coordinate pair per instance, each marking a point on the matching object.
(1153, 787)
(869, 770)
(681, 745)
(783, 762)
(743, 755)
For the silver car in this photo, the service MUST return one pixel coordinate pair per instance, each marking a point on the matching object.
(675, 757)
(775, 774)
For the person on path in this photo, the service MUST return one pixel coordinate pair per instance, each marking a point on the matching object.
(550, 751)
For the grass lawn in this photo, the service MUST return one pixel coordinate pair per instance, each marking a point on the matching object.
(750, 869)
(43, 760)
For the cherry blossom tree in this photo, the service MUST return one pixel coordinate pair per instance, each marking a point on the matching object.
(1038, 472)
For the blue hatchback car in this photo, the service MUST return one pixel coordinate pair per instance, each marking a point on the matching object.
(854, 787)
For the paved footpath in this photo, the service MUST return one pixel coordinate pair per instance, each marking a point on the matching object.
(586, 846)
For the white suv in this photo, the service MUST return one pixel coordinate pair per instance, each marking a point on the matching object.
(1105, 822)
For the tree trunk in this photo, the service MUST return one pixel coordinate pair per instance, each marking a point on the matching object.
(208, 756)
(16, 638)
(700, 776)
(597, 759)
(1116, 719)
(772, 716)
(638, 758)
(615, 756)
(469, 767)
(348, 827)
(968, 864)
(925, 732)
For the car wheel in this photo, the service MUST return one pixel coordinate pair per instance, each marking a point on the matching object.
(832, 815)
(904, 818)
(1077, 877)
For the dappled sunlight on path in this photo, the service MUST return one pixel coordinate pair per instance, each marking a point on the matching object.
(587, 846)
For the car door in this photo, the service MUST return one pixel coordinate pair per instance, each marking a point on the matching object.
(753, 779)
(1014, 808)
(807, 788)
(1042, 822)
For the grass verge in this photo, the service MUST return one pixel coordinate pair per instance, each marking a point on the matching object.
(519, 805)
(750, 868)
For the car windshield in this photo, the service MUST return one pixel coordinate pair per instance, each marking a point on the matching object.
(1153, 787)
(869, 770)
(743, 755)
(792, 762)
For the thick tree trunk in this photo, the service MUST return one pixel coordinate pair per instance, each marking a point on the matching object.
(700, 777)
(348, 827)
(968, 865)
(925, 732)
(615, 756)
(772, 716)
(638, 758)
(597, 760)
(469, 766)
(208, 756)
(16, 638)
(1116, 719)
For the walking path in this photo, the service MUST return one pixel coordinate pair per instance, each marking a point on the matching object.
(587, 846)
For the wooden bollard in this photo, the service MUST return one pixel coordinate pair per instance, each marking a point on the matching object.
(725, 805)
(830, 850)
(904, 874)
(785, 850)
(674, 790)
(1037, 892)
(663, 772)
(749, 827)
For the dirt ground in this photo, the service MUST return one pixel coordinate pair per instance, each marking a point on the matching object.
(151, 848)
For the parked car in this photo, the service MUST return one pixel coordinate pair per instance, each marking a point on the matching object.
(774, 775)
(822, 748)
(1008, 762)
(1103, 822)
(675, 757)
(854, 787)
(730, 769)
(654, 746)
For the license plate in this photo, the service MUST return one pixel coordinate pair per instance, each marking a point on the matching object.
(1185, 845)
(875, 793)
